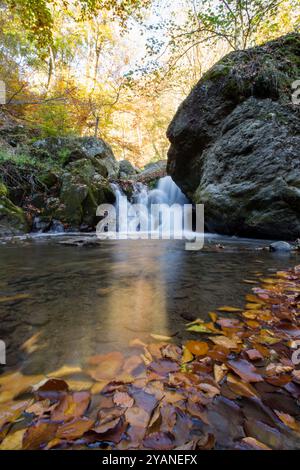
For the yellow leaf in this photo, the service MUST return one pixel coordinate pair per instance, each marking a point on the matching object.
(251, 315)
(30, 345)
(98, 387)
(13, 441)
(229, 309)
(160, 337)
(64, 371)
(187, 355)
(219, 372)
(11, 298)
(228, 343)
(213, 316)
(79, 385)
(254, 299)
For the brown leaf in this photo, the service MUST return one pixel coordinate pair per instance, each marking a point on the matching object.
(40, 408)
(159, 441)
(163, 367)
(51, 387)
(74, 429)
(199, 348)
(255, 444)
(108, 366)
(254, 354)
(137, 417)
(123, 399)
(72, 405)
(240, 388)
(38, 435)
(11, 411)
(228, 343)
(109, 426)
(245, 370)
(15, 383)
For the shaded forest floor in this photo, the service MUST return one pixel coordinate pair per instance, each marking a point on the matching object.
(235, 385)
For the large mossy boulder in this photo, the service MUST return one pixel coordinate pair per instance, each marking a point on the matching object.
(83, 188)
(12, 218)
(70, 149)
(235, 142)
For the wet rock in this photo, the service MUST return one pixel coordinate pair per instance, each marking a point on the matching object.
(235, 143)
(280, 246)
(126, 169)
(41, 224)
(12, 217)
(81, 242)
(57, 226)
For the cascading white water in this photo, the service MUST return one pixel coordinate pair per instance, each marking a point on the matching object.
(167, 196)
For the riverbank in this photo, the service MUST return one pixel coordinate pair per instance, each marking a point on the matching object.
(234, 384)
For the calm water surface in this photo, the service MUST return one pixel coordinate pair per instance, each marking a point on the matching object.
(85, 301)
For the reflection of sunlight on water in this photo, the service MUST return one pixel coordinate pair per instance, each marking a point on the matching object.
(137, 303)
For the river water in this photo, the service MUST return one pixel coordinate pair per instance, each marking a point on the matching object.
(84, 301)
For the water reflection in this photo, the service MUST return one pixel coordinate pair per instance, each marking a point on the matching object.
(87, 301)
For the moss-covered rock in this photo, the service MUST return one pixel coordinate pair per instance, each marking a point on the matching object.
(12, 218)
(65, 150)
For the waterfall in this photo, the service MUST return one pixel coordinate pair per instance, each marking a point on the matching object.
(162, 222)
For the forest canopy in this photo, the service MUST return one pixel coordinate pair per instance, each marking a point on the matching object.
(119, 69)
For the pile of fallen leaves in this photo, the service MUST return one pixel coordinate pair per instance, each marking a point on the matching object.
(237, 387)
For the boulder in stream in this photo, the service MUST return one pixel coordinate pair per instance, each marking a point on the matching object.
(235, 142)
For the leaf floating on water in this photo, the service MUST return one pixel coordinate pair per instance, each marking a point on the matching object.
(207, 328)
(108, 366)
(229, 309)
(160, 337)
(14, 384)
(65, 371)
(80, 385)
(12, 298)
(31, 344)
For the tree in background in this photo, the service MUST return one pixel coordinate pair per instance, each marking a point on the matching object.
(119, 69)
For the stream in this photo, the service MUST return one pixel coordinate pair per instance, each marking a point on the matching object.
(83, 301)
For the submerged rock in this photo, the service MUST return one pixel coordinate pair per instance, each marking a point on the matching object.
(280, 246)
(235, 143)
